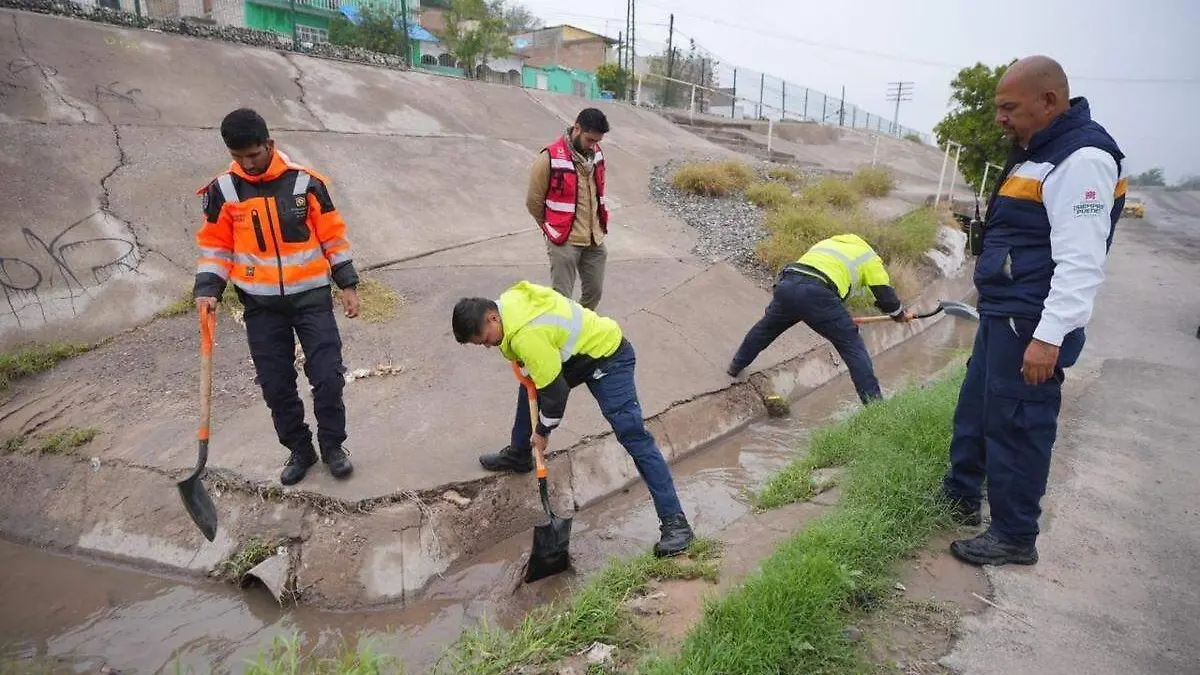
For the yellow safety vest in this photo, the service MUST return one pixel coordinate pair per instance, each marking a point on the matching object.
(849, 262)
(543, 330)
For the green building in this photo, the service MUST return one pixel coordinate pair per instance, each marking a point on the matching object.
(314, 16)
(562, 80)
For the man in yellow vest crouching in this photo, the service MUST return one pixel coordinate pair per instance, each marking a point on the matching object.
(560, 344)
(814, 290)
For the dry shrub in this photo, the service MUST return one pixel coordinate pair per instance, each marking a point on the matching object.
(713, 179)
(834, 191)
(873, 181)
(769, 195)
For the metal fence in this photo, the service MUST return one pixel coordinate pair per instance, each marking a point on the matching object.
(714, 88)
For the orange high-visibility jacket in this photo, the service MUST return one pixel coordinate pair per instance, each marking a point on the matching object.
(275, 234)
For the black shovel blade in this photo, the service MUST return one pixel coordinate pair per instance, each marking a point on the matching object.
(550, 554)
(197, 501)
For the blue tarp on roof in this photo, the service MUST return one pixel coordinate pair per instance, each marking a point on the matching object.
(415, 32)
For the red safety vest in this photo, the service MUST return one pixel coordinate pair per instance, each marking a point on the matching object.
(564, 186)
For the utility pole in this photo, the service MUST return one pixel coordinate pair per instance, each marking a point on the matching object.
(408, 61)
(633, 40)
(670, 61)
(625, 47)
(898, 91)
(842, 108)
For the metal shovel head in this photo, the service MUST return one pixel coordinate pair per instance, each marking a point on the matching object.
(960, 309)
(197, 501)
(551, 543)
(550, 554)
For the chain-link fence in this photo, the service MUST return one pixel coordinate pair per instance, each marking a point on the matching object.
(697, 81)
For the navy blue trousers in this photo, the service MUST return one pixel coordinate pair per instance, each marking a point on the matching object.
(612, 385)
(799, 297)
(272, 336)
(1004, 429)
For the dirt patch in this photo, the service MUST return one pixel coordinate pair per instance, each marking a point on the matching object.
(920, 624)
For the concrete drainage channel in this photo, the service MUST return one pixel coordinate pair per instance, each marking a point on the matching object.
(88, 614)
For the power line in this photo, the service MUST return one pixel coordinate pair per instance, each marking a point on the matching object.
(898, 57)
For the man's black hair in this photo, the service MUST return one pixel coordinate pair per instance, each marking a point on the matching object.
(592, 121)
(469, 317)
(244, 128)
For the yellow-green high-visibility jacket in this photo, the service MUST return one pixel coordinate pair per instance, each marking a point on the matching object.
(556, 340)
(852, 266)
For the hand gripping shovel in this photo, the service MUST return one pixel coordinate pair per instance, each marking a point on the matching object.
(196, 499)
(957, 309)
(551, 541)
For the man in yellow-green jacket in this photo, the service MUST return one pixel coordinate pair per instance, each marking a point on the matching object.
(813, 290)
(560, 344)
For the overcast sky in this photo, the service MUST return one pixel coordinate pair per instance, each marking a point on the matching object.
(1112, 52)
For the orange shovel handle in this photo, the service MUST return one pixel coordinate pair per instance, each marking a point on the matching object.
(531, 393)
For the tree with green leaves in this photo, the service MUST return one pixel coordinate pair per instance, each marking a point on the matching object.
(378, 30)
(972, 121)
(614, 78)
(475, 32)
(1150, 178)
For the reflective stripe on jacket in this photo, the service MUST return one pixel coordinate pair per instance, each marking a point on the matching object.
(551, 336)
(563, 191)
(276, 234)
(849, 262)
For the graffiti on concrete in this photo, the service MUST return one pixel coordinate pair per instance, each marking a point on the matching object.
(60, 273)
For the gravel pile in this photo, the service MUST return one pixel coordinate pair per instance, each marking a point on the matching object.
(728, 227)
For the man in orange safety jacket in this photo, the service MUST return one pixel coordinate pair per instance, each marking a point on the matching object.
(272, 230)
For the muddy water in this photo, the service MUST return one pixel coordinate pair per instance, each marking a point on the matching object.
(82, 615)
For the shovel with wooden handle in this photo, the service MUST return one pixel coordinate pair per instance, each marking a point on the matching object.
(196, 499)
(551, 542)
(957, 309)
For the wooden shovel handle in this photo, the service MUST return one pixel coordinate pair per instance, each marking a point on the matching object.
(531, 393)
(208, 326)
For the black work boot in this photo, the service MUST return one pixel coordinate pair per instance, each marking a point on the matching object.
(961, 512)
(508, 459)
(297, 466)
(987, 549)
(338, 460)
(676, 536)
(733, 371)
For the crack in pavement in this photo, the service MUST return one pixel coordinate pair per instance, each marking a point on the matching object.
(303, 91)
(683, 335)
(41, 69)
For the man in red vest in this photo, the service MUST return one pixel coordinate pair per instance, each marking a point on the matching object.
(566, 199)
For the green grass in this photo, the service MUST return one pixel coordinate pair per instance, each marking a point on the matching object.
(378, 302)
(35, 359)
(914, 138)
(714, 179)
(769, 195)
(789, 617)
(250, 553)
(285, 657)
(66, 441)
(873, 182)
(596, 612)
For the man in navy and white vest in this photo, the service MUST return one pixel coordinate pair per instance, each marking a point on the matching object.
(1049, 226)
